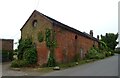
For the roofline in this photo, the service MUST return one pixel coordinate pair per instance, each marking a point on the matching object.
(28, 19)
(62, 25)
(7, 39)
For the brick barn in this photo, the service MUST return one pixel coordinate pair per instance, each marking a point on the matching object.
(6, 47)
(69, 40)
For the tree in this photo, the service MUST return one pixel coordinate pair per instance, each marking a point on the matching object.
(110, 40)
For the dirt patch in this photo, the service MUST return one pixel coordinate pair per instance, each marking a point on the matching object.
(27, 71)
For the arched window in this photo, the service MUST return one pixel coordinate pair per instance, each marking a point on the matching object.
(34, 23)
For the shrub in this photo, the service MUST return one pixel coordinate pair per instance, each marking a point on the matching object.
(117, 51)
(94, 53)
(100, 56)
(19, 63)
(91, 53)
(109, 53)
(26, 50)
(30, 55)
(51, 62)
(23, 45)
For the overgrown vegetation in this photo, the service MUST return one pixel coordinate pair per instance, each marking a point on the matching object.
(117, 51)
(19, 63)
(94, 53)
(106, 47)
(26, 54)
(30, 55)
(23, 45)
(51, 44)
(110, 40)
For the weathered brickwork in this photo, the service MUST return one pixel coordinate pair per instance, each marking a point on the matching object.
(6, 44)
(29, 31)
(69, 41)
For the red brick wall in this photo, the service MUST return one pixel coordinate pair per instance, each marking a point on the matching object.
(42, 52)
(28, 31)
(68, 46)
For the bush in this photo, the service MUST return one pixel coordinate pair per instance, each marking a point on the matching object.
(100, 56)
(23, 45)
(91, 53)
(51, 62)
(117, 51)
(109, 53)
(30, 55)
(94, 53)
(19, 63)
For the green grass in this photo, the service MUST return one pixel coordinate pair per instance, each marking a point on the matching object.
(73, 64)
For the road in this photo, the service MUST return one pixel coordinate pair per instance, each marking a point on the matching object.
(105, 67)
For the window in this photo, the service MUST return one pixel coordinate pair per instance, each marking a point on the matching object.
(34, 23)
(75, 36)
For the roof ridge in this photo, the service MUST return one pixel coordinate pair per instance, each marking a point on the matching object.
(64, 26)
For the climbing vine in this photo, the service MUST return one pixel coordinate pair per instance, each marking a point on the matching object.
(51, 43)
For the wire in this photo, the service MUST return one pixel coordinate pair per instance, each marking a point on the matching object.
(37, 4)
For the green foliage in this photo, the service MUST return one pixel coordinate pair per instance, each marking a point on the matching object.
(16, 50)
(51, 59)
(40, 37)
(51, 62)
(117, 51)
(110, 40)
(94, 53)
(48, 38)
(51, 44)
(23, 45)
(19, 63)
(30, 55)
(102, 45)
(108, 53)
(26, 52)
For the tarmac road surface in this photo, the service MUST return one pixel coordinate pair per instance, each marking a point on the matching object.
(105, 67)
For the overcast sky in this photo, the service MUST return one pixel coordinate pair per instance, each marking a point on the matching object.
(101, 16)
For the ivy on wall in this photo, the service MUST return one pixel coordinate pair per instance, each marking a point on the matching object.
(51, 43)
